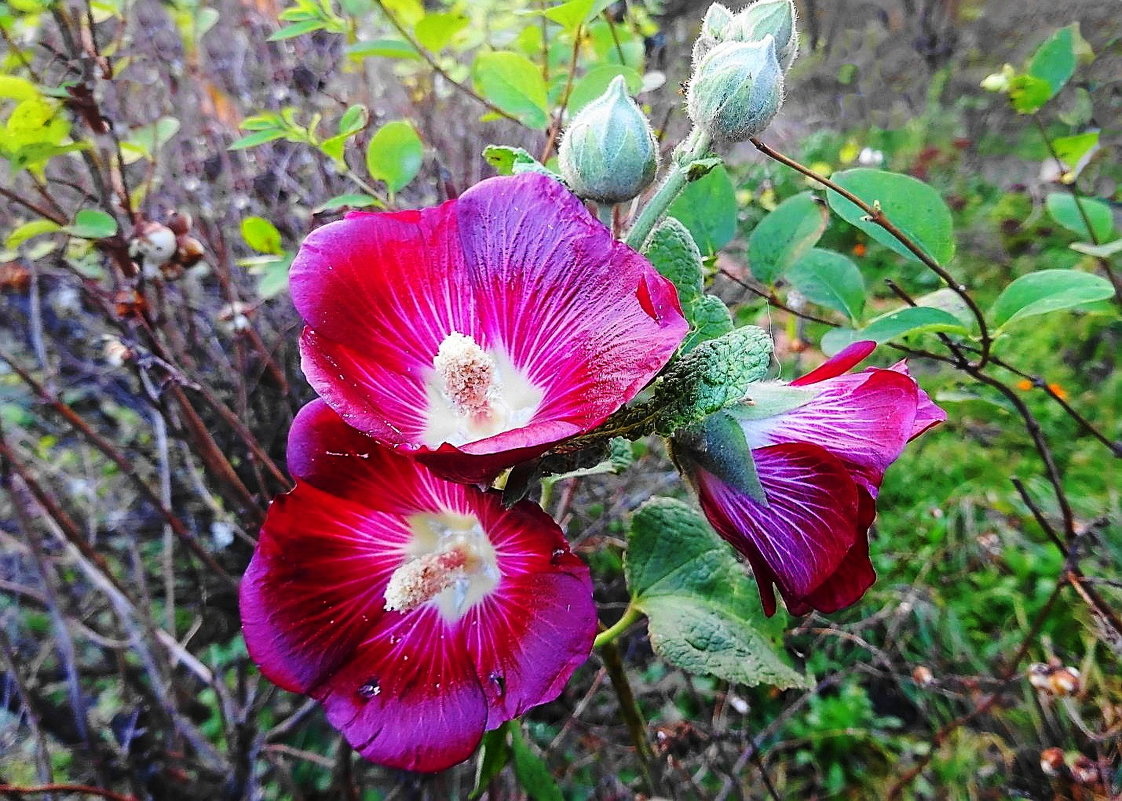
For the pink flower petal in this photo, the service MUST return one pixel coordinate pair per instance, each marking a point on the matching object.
(864, 419)
(517, 264)
(807, 527)
(410, 698)
(543, 608)
(837, 364)
(412, 689)
(928, 415)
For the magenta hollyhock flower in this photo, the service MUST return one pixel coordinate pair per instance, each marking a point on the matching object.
(820, 446)
(419, 612)
(477, 334)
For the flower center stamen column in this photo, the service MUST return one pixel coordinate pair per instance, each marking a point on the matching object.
(467, 375)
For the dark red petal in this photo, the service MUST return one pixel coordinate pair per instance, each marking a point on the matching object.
(529, 636)
(410, 697)
(810, 521)
(864, 419)
(845, 586)
(839, 363)
(314, 587)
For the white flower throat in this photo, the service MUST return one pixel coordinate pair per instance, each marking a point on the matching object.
(475, 393)
(449, 561)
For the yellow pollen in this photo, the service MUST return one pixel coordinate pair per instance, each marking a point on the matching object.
(422, 579)
(467, 374)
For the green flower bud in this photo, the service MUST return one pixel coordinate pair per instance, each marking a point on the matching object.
(717, 19)
(775, 18)
(736, 90)
(609, 153)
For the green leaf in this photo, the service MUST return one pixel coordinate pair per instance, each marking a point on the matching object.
(707, 207)
(147, 139)
(709, 319)
(1048, 291)
(353, 120)
(91, 224)
(494, 754)
(1066, 210)
(272, 277)
(385, 48)
(575, 13)
(262, 236)
(902, 322)
(704, 611)
(1029, 93)
(28, 230)
(785, 235)
(532, 772)
(515, 160)
(299, 29)
(355, 200)
(1071, 149)
(515, 84)
(595, 83)
(435, 31)
(910, 204)
(671, 250)
(710, 377)
(831, 280)
(1054, 61)
(256, 138)
(1098, 251)
(395, 155)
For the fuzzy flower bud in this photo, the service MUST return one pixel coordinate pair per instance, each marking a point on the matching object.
(609, 154)
(736, 90)
(775, 18)
(1052, 762)
(717, 20)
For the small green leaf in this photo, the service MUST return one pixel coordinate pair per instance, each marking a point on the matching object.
(1048, 291)
(256, 138)
(299, 29)
(384, 48)
(532, 772)
(272, 277)
(353, 120)
(831, 280)
(515, 84)
(785, 235)
(92, 224)
(575, 13)
(1028, 93)
(356, 200)
(395, 155)
(494, 754)
(902, 322)
(707, 207)
(1054, 61)
(709, 319)
(910, 204)
(515, 160)
(28, 230)
(1065, 209)
(710, 377)
(435, 30)
(262, 236)
(1071, 149)
(671, 250)
(704, 611)
(1098, 251)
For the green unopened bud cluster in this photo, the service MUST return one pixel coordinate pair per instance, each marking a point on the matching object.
(609, 153)
(739, 64)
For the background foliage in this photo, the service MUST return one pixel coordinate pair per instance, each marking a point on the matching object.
(142, 413)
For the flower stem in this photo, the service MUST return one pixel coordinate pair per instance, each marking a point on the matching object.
(632, 716)
(613, 632)
(695, 146)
